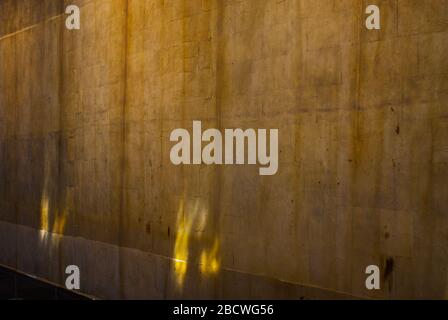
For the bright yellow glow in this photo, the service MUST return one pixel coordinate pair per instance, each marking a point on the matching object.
(181, 247)
(45, 202)
(59, 223)
(210, 263)
(44, 218)
(191, 220)
(44, 207)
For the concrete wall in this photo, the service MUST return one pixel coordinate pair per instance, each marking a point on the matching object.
(85, 175)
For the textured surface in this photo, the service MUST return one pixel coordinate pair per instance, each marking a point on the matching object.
(85, 175)
(17, 286)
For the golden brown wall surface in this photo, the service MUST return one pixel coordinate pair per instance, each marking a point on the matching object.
(85, 174)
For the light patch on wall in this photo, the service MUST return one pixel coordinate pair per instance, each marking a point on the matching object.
(59, 223)
(47, 230)
(210, 262)
(45, 199)
(44, 223)
(191, 221)
(181, 247)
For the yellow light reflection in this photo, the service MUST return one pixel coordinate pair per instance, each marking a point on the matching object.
(191, 223)
(59, 223)
(44, 208)
(44, 218)
(47, 230)
(210, 262)
(181, 246)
